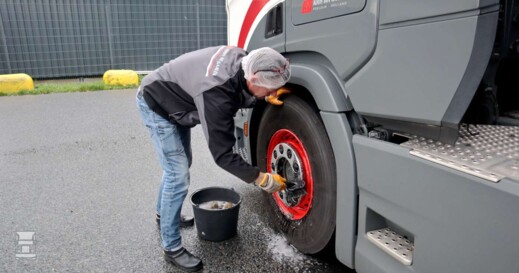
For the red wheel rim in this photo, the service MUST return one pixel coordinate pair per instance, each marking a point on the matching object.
(301, 209)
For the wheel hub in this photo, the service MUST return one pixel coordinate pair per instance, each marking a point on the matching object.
(287, 163)
(287, 157)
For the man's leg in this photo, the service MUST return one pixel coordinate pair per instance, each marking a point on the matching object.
(149, 120)
(175, 186)
(169, 145)
(185, 136)
(175, 177)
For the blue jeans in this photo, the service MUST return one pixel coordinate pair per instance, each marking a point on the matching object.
(173, 146)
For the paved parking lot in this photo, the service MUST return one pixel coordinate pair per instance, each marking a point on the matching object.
(79, 171)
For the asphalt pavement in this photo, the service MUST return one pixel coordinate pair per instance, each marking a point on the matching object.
(78, 186)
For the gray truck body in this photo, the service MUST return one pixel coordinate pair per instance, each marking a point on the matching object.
(413, 68)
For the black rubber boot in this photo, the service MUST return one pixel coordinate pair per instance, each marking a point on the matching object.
(185, 220)
(184, 260)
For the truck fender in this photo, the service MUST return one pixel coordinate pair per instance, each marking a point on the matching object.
(312, 72)
(340, 136)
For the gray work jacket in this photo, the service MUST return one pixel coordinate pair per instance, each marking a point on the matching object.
(205, 87)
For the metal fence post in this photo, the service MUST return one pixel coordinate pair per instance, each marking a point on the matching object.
(4, 42)
(198, 23)
(109, 29)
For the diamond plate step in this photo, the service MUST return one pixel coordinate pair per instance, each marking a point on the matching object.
(486, 151)
(393, 244)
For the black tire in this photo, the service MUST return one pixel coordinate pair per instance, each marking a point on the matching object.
(312, 233)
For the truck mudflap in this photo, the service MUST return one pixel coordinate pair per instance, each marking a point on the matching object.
(486, 151)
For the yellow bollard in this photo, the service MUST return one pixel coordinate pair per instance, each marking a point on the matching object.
(121, 77)
(12, 83)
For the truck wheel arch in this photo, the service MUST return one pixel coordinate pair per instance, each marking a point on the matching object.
(313, 72)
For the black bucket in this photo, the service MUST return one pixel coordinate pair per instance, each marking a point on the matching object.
(216, 225)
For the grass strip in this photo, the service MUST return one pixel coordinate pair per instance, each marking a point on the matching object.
(48, 88)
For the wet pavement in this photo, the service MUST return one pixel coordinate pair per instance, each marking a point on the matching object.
(79, 171)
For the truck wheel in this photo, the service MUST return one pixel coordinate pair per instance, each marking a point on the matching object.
(292, 142)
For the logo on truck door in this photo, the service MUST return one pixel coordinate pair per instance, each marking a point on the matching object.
(310, 5)
(307, 6)
(306, 11)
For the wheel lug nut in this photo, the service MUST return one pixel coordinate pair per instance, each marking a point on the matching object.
(275, 154)
(281, 149)
(296, 167)
(289, 154)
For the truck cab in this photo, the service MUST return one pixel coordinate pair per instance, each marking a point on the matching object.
(401, 130)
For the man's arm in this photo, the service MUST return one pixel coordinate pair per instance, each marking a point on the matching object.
(216, 109)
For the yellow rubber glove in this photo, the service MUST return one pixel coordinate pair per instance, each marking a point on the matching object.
(272, 183)
(274, 99)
